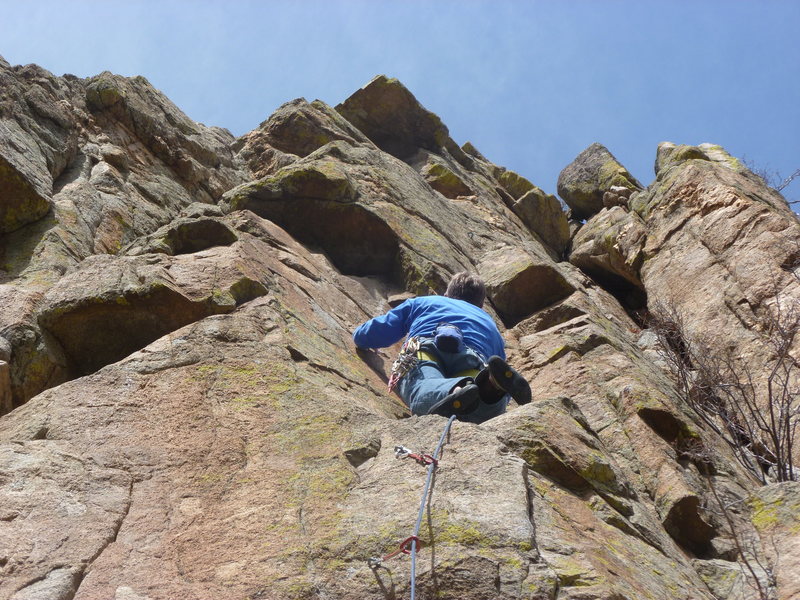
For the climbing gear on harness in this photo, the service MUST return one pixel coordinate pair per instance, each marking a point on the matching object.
(406, 361)
(458, 402)
(504, 377)
(448, 338)
(423, 459)
(374, 562)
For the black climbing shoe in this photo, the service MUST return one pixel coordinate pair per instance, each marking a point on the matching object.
(508, 380)
(458, 402)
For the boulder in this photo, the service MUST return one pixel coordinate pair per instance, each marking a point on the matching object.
(617, 196)
(38, 139)
(519, 283)
(38, 132)
(610, 249)
(33, 361)
(185, 235)
(441, 178)
(389, 115)
(542, 214)
(20, 202)
(109, 159)
(583, 182)
(314, 199)
(671, 155)
(728, 579)
(299, 127)
(472, 151)
(555, 440)
(372, 214)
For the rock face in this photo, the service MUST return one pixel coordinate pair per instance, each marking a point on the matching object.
(89, 166)
(187, 417)
(585, 182)
(722, 249)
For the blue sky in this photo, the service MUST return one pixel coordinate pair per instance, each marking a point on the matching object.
(529, 83)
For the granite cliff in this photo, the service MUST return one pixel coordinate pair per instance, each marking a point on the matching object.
(185, 415)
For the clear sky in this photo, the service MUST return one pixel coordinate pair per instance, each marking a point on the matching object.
(529, 83)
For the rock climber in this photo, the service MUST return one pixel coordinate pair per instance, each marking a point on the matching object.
(442, 368)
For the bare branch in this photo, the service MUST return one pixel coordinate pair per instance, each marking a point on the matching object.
(787, 181)
(757, 416)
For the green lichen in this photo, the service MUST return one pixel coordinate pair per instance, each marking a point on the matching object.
(322, 180)
(300, 590)
(571, 573)
(684, 153)
(246, 289)
(512, 562)
(464, 534)
(612, 173)
(244, 401)
(320, 481)
(558, 353)
(765, 516)
(418, 275)
(267, 382)
(444, 181)
(719, 155)
(103, 93)
(210, 478)
(515, 184)
(450, 530)
(308, 435)
(599, 471)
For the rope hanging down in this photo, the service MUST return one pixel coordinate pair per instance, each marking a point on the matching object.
(413, 541)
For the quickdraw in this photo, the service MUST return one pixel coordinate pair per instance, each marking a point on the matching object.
(406, 360)
(413, 541)
(375, 562)
(423, 459)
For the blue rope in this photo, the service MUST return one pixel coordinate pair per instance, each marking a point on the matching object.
(422, 504)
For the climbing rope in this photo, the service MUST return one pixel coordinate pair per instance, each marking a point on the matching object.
(432, 461)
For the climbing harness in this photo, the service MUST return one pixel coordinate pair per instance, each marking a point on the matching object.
(406, 361)
(416, 349)
(432, 461)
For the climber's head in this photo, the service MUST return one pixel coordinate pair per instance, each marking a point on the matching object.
(467, 287)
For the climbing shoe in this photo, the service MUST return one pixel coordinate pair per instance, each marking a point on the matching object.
(458, 402)
(504, 378)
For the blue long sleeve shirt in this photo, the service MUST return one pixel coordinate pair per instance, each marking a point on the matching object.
(420, 316)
